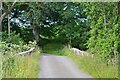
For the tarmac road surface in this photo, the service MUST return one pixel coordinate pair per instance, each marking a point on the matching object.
(53, 66)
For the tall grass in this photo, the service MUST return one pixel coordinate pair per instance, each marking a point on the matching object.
(21, 66)
(0, 65)
(93, 65)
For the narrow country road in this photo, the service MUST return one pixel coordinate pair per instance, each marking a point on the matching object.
(52, 66)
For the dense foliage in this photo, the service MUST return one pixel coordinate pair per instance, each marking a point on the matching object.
(87, 26)
(105, 30)
(14, 65)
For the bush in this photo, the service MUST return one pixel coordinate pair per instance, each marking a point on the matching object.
(14, 38)
(12, 65)
(17, 66)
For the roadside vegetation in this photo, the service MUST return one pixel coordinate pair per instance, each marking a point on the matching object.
(92, 27)
(16, 66)
(94, 66)
(21, 67)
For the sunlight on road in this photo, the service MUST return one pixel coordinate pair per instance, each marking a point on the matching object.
(53, 66)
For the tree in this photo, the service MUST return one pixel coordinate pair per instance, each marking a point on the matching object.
(103, 22)
(74, 25)
(5, 13)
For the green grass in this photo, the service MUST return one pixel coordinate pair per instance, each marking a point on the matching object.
(21, 66)
(53, 48)
(0, 65)
(93, 66)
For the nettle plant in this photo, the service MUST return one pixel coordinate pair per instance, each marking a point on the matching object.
(8, 48)
(14, 44)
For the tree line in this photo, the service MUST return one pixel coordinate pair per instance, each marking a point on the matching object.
(92, 26)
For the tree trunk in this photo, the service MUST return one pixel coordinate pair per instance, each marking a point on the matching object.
(118, 7)
(0, 20)
(70, 41)
(36, 34)
(0, 16)
(5, 12)
(9, 25)
(104, 15)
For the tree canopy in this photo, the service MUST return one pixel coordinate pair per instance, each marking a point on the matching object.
(87, 26)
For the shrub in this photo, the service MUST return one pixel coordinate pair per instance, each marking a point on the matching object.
(14, 38)
(18, 66)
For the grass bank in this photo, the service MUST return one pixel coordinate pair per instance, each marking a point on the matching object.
(21, 66)
(93, 66)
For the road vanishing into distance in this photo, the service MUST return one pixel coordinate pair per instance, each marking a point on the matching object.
(54, 66)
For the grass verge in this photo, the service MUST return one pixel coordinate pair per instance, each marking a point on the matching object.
(93, 66)
(21, 66)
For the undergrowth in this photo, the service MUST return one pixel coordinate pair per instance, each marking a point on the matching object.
(93, 65)
(53, 48)
(21, 66)
(14, 65)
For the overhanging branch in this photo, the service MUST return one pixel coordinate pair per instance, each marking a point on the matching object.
(8, 11)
